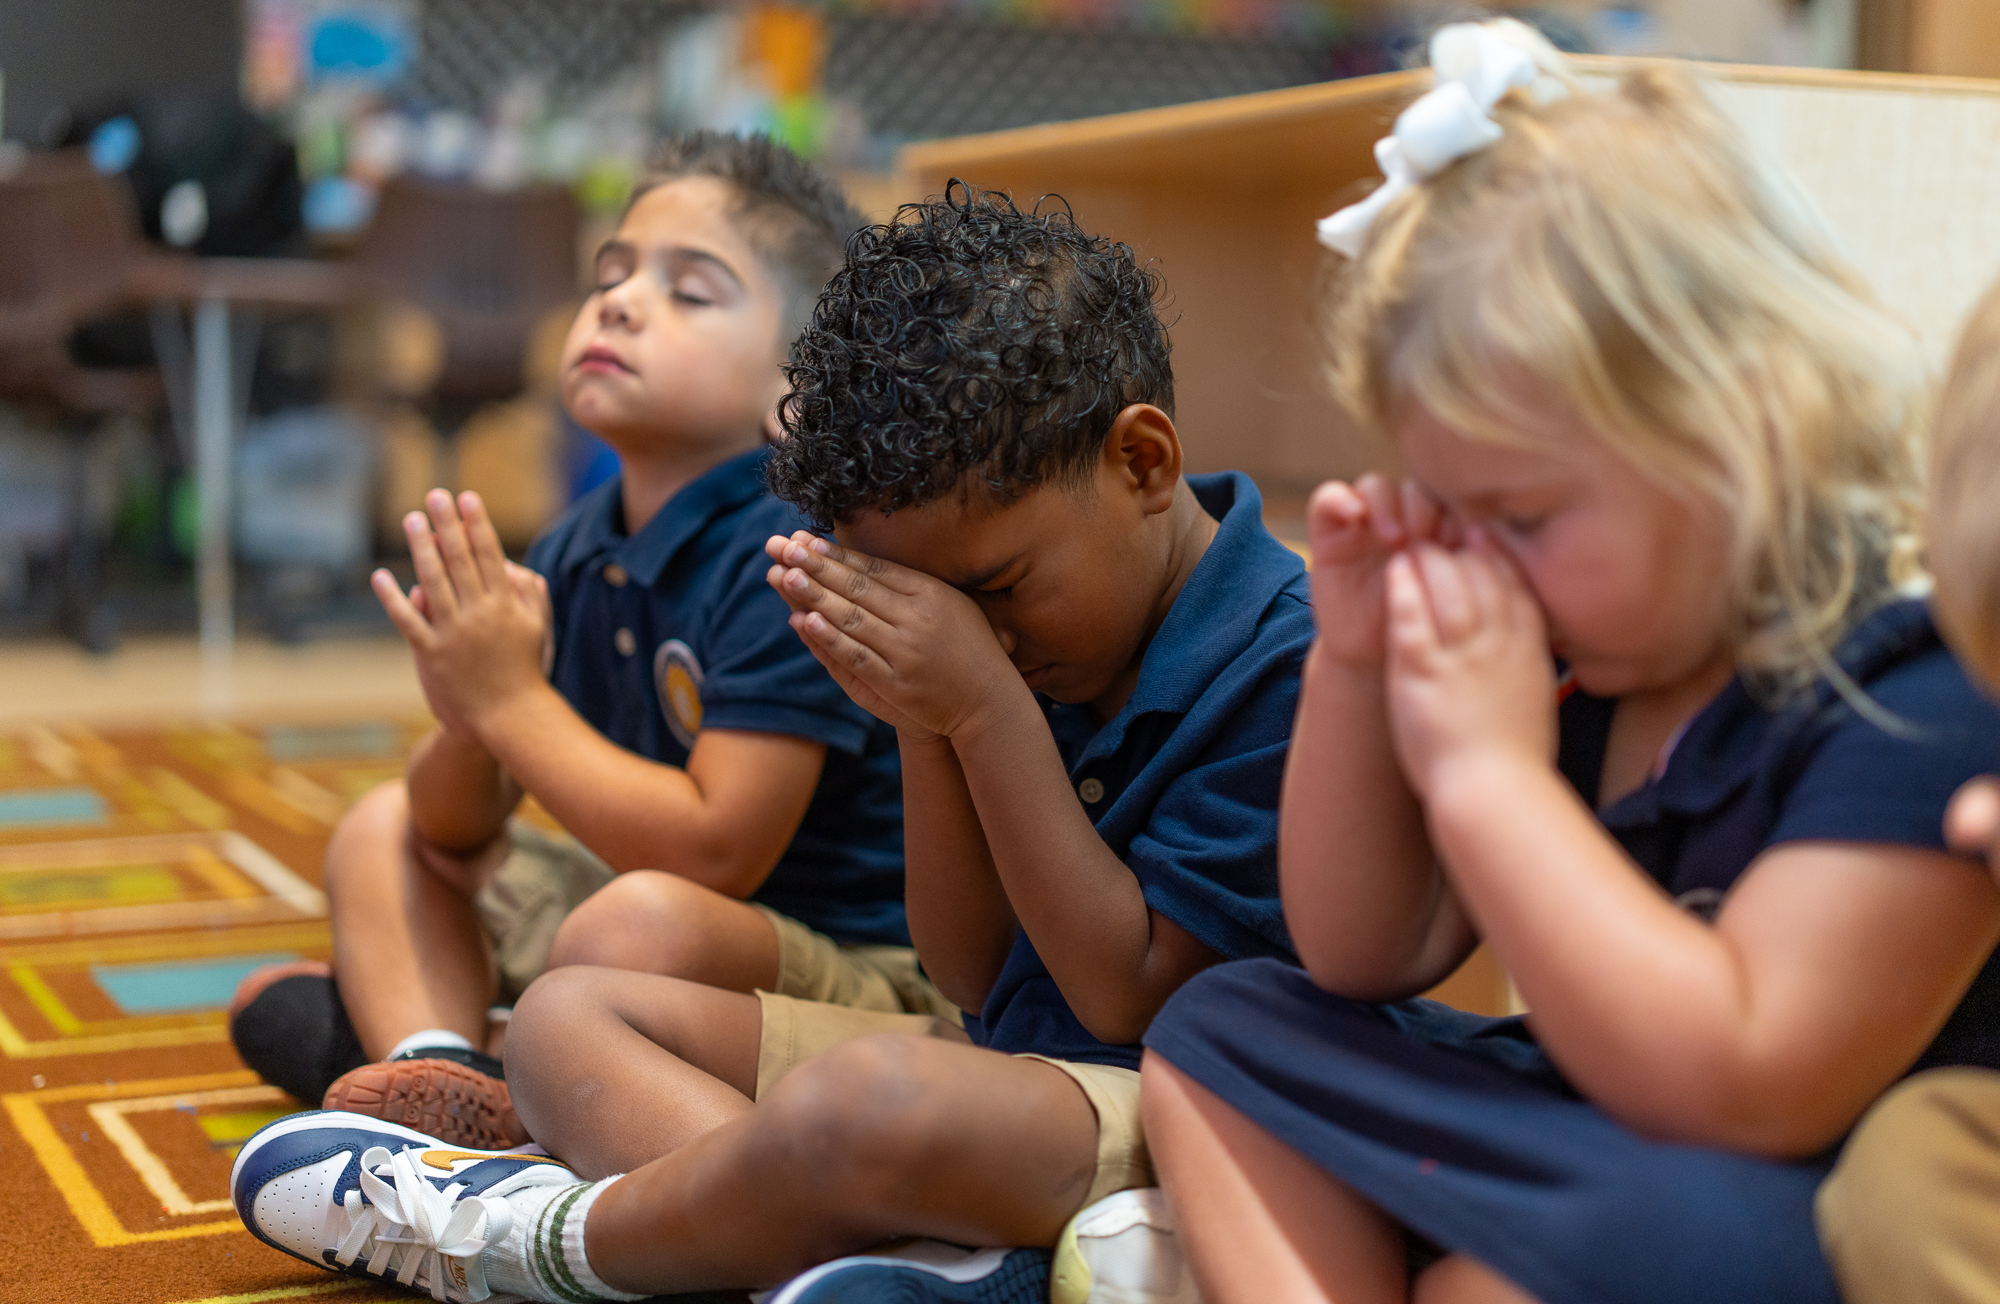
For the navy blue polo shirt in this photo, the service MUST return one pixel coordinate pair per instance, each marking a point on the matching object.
(1745, 777)
(671, 631)
(1183, 783)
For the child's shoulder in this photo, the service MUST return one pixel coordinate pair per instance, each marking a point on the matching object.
(1248, 600)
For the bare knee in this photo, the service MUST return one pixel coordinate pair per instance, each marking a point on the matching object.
(860, 1120)
(548, 1059)
(659, 923)
(371, 839)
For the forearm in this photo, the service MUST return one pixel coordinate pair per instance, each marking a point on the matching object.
(633, 812)
(1370, 913)
(460, 798)
(1648, 1010)
(1080, 905)
(960, 920)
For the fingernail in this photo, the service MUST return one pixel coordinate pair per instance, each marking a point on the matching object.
(795, 553)
(797, 579)
(822, 547)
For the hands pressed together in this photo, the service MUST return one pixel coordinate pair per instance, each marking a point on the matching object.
(478, 625)
(909, 648)
(1440, 614)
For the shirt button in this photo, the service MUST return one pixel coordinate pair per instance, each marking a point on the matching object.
(625, 643)
(615, 575)
(1091, 790)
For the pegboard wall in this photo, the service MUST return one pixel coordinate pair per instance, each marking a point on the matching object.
(923, 77)
(469, 50)
(912, 77)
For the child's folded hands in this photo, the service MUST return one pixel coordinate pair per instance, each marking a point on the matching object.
(1469, 673)
(1353, 530)
(478, 625)
(909, 648)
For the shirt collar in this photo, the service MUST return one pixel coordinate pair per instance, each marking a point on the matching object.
(1730, 740)
(1215, 616)
(644, 555)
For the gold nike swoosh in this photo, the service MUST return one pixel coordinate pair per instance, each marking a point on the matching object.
(444, 1159)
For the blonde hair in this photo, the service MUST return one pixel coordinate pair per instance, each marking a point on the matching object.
(1965, 478)
(1626, 254)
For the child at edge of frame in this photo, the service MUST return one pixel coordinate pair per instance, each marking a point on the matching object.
(1911, 1213)
(1652, 423)
(1091, 663)
(732, 817)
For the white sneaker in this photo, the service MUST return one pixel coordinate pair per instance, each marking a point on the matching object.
(1122, 1250)
(371, 1199)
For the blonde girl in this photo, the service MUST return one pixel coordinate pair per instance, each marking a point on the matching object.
(1654, 426)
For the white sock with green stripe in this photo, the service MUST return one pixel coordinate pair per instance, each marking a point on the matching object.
(542, 1256)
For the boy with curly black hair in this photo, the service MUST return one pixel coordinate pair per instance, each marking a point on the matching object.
(1091, 664)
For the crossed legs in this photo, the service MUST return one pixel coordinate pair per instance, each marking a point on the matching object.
(884, 1136)
(410, 953)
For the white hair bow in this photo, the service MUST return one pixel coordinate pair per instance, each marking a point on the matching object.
(1475, 64)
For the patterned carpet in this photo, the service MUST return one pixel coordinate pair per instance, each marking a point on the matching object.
(141, 875)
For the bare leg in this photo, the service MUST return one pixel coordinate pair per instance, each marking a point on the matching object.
(408, 951)
(1459, 1280)
(652, 922)
(1260, 1223)
(884, 1136)
(610, 1070)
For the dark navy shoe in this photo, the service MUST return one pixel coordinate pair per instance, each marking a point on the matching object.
(372, 1199)
(289, 1026)
(926, 1273)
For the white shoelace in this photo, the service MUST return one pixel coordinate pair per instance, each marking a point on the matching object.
(408, 1226)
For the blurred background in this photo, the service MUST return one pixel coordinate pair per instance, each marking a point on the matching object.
(271, 268)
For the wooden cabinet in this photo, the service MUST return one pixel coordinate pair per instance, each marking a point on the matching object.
(1959, 38)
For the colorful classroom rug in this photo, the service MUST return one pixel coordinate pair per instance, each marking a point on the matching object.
(141, 875)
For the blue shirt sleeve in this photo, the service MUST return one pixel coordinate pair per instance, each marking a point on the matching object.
(757, 674)
(1865, 783)
(1208, 856)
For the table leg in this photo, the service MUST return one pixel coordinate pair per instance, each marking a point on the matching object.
(214, 404)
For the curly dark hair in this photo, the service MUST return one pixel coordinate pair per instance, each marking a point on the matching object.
(966, 343)
(795, 216)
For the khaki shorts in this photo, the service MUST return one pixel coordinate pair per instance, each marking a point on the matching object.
(546, 875)
(1911, 1213)
(795, 1031)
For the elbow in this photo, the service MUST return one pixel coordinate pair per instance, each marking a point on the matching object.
(1117, 1027)
(1120, 1019)
(1369, 979)
(1782, 1122)
(713, 863)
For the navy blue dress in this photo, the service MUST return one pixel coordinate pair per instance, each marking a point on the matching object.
(1463, 1130)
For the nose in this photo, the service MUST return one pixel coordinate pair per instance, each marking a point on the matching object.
(1007, 637)
(619, 305)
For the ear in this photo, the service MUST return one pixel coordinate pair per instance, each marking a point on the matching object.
(1144, 452)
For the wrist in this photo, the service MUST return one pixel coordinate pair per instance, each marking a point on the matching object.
(1001, 709)
(1365, 675)
(1469, 787)
(492, 718)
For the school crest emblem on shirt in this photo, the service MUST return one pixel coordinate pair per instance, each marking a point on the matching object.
(678, 676)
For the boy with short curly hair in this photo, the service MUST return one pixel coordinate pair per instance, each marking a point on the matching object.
(1091, 664)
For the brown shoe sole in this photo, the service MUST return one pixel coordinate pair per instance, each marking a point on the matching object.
(457, 1105)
